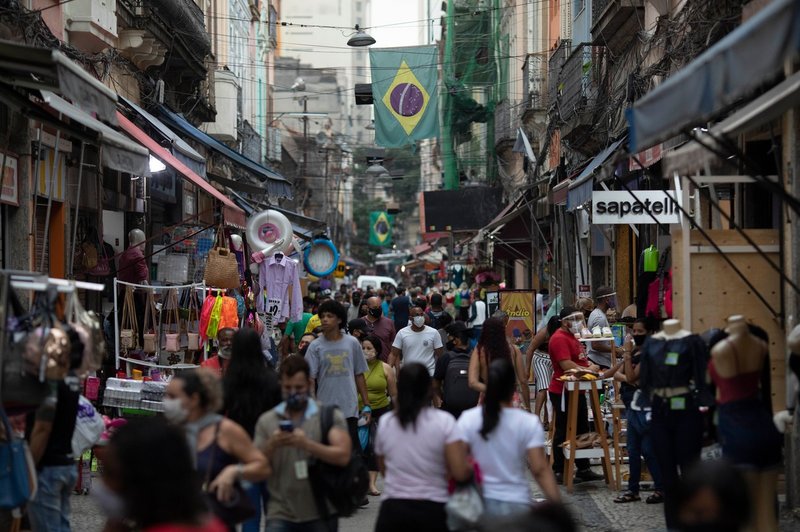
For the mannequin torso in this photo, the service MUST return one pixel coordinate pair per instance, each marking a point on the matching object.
(740, 353)
(671, 331)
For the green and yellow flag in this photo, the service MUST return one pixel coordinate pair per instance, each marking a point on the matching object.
(404, 89)
(380, 228)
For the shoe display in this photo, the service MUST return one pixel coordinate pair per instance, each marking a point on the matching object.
(586, 333)
(607, 332)
(597, 332)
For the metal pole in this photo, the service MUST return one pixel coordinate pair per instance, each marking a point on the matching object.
(50, 198)
(77, 210)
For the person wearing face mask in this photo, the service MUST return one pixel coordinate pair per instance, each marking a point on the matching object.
(380, 326)
(382, 391)
(302, 345)
(566, 352)
(290, 435)
(149, 481)
(219, 362)
(417, 343)
(638, 440)
(450, 379)
(222, 449)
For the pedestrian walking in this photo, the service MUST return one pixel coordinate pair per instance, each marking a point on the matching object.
(149, 481)
(250, 388)
(380, 326)
(290, 436)
(399, 308)
(338, 367)
(417, 343)
(382, 391)
(451, 377)
(506, 441)
(539, 360)
(417, 447)
(494, 344)
(224, 453)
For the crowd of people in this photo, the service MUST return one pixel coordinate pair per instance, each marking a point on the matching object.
(424, 398)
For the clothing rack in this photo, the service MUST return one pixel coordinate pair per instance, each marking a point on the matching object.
(194, 286)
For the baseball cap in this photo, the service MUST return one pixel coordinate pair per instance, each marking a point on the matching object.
(357, 324)
(604, 291)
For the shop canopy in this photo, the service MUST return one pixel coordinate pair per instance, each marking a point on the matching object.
(754, 53)
(180, 148)
(49, 70)
(116, 151)
(276, 185)
(580, 190)
(233, 214)
(694, 157)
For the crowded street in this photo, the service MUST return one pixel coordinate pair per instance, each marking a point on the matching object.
(399, 266)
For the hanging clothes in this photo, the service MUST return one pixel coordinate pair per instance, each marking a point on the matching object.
(278, 275)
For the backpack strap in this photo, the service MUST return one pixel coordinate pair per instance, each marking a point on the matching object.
(325, 423)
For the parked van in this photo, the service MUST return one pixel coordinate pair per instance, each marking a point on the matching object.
(374, 281)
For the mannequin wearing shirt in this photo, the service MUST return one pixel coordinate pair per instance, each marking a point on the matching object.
(673, 377)
(747, 433)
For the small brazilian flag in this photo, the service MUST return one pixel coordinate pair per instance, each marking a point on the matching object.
(405, 94)
(380, 228)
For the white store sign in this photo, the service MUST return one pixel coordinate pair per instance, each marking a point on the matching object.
(620, 207)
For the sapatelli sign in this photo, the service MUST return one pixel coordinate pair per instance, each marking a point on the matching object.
(620, 207)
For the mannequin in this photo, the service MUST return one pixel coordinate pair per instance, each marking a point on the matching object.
(793, 342)
(739, 367)
(673, 380)
(133, 269)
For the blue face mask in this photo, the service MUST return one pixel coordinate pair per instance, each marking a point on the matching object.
(297, 401)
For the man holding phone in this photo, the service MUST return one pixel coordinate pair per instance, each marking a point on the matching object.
(290, 435)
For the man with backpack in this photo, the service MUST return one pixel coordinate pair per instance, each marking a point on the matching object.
(450, 378)
(436, 312)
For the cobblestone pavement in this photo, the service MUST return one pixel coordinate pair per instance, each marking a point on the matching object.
(591, 504)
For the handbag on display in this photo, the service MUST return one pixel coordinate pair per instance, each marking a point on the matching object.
(222, 270)
(128, 334)
(18, 480)
(192, 336)
(172, 341)
(150, 340)
(89, 329)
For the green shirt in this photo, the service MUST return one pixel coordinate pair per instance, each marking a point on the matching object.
(298, 328)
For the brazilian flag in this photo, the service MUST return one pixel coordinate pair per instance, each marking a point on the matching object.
(405, 94)
(380, 228)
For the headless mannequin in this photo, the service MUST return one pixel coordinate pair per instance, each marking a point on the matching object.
(739, 354)
(671, 331)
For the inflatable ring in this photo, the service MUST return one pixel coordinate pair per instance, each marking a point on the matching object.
(269, 232)
(325, 257)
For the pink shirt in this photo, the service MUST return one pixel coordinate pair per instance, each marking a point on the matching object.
(414, 457)
(132, 266)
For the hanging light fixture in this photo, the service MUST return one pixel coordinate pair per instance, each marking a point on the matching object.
(377, 170)
(360, 38)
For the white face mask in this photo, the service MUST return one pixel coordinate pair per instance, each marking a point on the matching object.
(174, 411)
(418, 321)
(369, 353)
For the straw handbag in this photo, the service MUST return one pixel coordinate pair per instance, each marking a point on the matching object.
(129, 328)
(222, 270)
(150, 324)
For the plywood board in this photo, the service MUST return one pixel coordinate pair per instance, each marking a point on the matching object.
(718, 292)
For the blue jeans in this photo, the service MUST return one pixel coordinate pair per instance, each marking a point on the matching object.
(498, 508)
(49, 511)
(640, 444)
(259, 494)
(279, 525)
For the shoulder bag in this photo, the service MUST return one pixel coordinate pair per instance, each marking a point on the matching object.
(171, 314)
(150, 339)
(129, 329)
(237, 510)
(192, 333)
(222, 270)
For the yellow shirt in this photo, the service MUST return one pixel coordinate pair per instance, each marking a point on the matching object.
(313, 323)
(377, 386)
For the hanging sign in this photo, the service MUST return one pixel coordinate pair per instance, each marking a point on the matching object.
(519, 305)
(584, 290)
(620, 207)
(10, 187)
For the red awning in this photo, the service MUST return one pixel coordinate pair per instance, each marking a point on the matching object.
(233, 214)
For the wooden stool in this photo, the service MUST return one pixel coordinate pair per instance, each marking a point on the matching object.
(570, 450)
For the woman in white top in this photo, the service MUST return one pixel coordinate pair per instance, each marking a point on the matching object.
(504, 441)
(417, 447)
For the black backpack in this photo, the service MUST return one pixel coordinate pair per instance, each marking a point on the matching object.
(458, 396)
(345, 487)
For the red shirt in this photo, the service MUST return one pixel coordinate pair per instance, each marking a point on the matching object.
(564, 346)
(216, 363)
(212, 525)
(132, 266)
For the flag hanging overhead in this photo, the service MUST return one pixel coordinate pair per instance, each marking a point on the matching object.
(380, 228)
(405, 94)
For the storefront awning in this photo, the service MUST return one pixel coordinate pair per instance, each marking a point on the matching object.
(509, 212)
(181, 149)
(580, 191)
(233, 214)
(116, 151)
(276, 185)
(693, 157)
(46, 69)
(749, 56)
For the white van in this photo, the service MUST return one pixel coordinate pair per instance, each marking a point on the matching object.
(374, 281)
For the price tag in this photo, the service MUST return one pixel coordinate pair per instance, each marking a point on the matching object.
(677, 403)
(272, 312)
(301, 470)
(672, 359)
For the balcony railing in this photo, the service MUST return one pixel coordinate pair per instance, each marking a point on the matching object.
(506, 120)
(555, 65)
(534, 75)
(579, 75)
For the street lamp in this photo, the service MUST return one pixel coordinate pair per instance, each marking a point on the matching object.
(360, 38)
